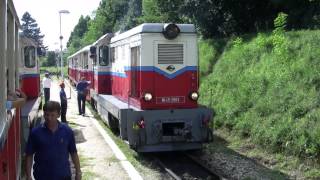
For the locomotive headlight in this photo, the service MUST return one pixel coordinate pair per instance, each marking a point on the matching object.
(170, 31)
(194, 96)
(147, 96)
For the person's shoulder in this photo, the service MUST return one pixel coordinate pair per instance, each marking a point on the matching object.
(65, 127)
(37, 129)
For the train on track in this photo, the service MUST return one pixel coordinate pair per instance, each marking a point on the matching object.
(19, 69)
(144, 82)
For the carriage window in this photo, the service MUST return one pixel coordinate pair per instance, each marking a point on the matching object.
(29, 56)
(104, 55)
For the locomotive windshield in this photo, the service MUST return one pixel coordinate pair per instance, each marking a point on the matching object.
(104, 55)
(30, 56)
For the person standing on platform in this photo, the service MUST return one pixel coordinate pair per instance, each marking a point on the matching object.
(63, 103)
(49, 146)
(82, 89)
(46, 85)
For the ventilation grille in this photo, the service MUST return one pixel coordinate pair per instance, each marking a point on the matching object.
(170, 53)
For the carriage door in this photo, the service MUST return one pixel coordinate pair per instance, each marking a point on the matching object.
(135, 57)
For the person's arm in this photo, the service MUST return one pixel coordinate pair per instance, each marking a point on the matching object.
(19, 102)
(29, 160)
(29, 151)
(76, 162)
(77, 86)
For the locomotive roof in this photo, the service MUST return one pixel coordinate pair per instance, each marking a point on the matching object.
(27, 41)
(153, 28)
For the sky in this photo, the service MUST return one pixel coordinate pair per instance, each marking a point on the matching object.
(46, 14)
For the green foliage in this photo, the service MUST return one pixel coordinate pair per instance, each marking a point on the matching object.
(74, 42)
(237, 42)
(279, 40)
(212, 18)
(50, 59)
(270, 97)
(280, 22)
(209, 52)
(151, 12)
(131, 18)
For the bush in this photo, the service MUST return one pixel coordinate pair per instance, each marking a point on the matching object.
(273, 98)
(209, 52)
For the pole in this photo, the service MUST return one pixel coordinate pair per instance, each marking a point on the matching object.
(61, 37)
(61, 58)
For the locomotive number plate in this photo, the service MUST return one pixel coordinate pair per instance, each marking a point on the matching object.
(170, 100)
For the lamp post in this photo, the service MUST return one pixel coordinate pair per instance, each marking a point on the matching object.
(61, 37)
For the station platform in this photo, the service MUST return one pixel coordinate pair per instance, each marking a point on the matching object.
(100, 158)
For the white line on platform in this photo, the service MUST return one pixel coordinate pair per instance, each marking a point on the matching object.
(132, 172)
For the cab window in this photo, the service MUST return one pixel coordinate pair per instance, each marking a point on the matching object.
(30, 56)
(104, 55)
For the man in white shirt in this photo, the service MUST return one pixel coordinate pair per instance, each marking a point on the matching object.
(46, 84)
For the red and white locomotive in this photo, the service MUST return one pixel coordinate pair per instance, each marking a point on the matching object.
(146, 84)
(29, 68)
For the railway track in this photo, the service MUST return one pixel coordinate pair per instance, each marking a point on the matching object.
(182, 166)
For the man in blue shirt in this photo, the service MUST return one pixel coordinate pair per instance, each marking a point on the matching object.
(82, 93)
(63, 102)
(50, 144)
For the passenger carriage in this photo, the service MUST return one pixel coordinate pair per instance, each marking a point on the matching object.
(154, 89)
(80, 65)
(12, 49)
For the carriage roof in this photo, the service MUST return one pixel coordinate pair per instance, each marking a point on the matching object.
(86, 48)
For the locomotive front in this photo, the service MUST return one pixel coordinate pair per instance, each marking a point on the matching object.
(156, 66)
(29, 68)
(162, 81)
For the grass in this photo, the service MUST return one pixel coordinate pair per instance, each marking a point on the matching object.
(265, 89)
(85, 167)
(53, 70)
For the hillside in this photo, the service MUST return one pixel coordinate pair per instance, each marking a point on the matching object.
(266, 88)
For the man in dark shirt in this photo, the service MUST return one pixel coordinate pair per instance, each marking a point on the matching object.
(50, 144)
(82, 93)
(63, 102)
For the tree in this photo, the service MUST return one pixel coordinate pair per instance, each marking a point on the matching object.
(31, 30)
(51, 59)
(151, 13)
(130, 20)
(74, 42)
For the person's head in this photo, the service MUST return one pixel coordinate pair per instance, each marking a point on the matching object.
(82, 78)
(62, 85)
(46, 75)
(51, 111)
